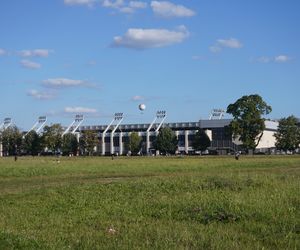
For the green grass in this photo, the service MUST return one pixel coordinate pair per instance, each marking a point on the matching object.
(150, 203)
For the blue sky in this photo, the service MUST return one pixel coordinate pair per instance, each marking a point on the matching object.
(97, 57)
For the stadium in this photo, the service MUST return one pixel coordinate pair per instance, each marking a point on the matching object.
(112, 139)
(114, 136)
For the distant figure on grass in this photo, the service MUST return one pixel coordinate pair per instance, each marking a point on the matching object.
(237, 155)
(16, 152)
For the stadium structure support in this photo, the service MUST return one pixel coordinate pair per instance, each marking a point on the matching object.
(118, 118)
(7, 122)
(37, 127)
(160, 115)
(74, 126)
(217, 114)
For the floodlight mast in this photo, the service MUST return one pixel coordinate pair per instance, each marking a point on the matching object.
(38, 125)
(7, 122)
(159, 115)
(217, 114)
(119, 118)
(79, 120)
(3, 126)
(74, 125)
(162, 115)
(103, 136)
(148, 135)
(151, 125)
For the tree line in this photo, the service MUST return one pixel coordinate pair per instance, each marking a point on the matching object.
(247, 126)
(52, 141)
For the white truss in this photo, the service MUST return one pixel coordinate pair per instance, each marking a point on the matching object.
(216, 114)
(7, 122)
(37, 127)
(160, 115)
(74, 125)
(118, 118)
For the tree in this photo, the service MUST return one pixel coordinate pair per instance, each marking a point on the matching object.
(247, 124)
(135, 143)
(32, 143)
(201, 141)
(88, 141)
(69, 144)
(52, 137)
(166, 141)
(11, 139)
(288, 134)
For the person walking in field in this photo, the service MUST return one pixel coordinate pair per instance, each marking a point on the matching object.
(237, 155)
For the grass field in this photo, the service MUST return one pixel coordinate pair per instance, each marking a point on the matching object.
(150, 203)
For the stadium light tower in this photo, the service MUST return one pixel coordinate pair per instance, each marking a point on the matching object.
(160, 115)
(217, 114)
(118, 118)
(74, 125)
(7, 122)
(37, 127)
(3, 126)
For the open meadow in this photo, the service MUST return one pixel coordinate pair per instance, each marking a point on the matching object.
(150, 203)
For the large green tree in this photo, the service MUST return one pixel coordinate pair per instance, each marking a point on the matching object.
(248, 124)
(69, 144)
(166, 141)
(135, 143)
(32, 143)
(201, 141)
(288, 134)
(52, 137)
(11, 139)
(88, 141)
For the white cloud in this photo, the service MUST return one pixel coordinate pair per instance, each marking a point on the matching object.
(137, 4)
(150, 38)
(231, 43)
(79, 2)
(138, 98)
(80, 110)
(65, 82)
(282, 59)
(40, 95)
(2, 52)
(276, 59)
(30, 65)
(113, 4)
(168, 9)
(127, 10)
(35, 53)
(215, 49)
(264, 59)
(124, 7)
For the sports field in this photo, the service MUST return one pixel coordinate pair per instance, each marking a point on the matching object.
(150, 203)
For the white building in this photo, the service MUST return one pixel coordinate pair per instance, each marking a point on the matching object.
(112, 140)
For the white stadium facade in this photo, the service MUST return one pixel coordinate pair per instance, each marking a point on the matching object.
(114, 136)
